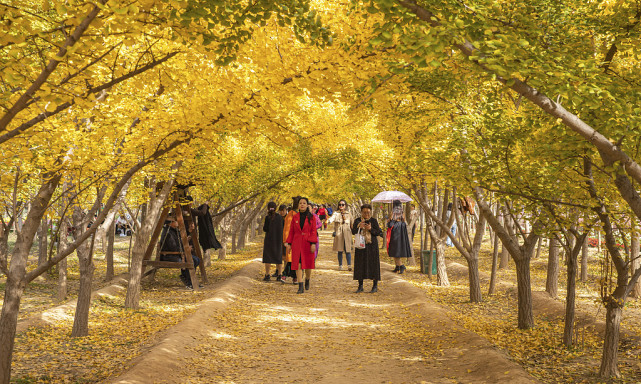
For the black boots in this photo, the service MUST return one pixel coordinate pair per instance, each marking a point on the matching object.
(374, 287)
(301, 289)
(307, 285)
(360, 286)
(396, 269)
(401, 269)
(266, 278)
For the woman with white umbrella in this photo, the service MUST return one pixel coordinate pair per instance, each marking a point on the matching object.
(399, 243)
(342, 220)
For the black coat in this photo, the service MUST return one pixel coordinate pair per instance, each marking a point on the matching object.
(273, 248)
(399, 242)
(206, 235)
(367, 264)
(170, 242)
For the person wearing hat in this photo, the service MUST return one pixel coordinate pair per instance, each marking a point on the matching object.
(399, 244)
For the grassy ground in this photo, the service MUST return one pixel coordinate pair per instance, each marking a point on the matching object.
(539, 350)
(117, 335)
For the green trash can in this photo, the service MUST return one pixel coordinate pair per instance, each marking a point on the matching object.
(424, 256)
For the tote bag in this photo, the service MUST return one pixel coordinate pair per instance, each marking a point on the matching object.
(359, 240)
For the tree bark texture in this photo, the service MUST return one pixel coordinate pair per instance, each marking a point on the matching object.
(42, 241)
(441, 268)
(86, 268)
(635, 262)
(609, 360)
(525, 317)
(568, 329)
(495, 262)
(109, 253)
(584, 260)
(552, 279)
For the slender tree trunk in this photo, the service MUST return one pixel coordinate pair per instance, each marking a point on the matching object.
(42, 241)
(635, 262)
(441, 268)
(568, 329)
(552, 280)
(430, 258)
(584, 260)
(85, 259)
(538, 248)
(505, 257)
(525, 317)
(109, 254)
(233, 243)
(475, 281)
(8, 323)
(495, 262)
(609, 360)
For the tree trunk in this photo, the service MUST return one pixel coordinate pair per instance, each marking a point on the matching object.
(568, 329)
(584, 260)
(109, 254)
(233, 243)
(16, 279)
(132, 300)
(224, 235)
(635, 262)
(538, 248)
(505, 255)
(85, 263)
(441, 269)
(42, 241)
(525, 317)
(430, 258)
(475, 281)
(495, 261)
(609, 360)
(8, 323)
(552, 280)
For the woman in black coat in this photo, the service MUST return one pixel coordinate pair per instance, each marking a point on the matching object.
(367, 263)
(273, 247)
(399, 242)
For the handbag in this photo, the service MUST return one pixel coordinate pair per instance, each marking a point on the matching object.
(359, 240)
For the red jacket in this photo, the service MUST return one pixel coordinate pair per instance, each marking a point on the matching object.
(301, 240)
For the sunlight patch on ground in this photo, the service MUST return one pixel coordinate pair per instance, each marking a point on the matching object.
(220, 335)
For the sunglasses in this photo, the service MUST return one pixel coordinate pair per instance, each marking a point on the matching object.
(341, 205)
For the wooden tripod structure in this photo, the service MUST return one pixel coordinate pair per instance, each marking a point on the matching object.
(184, 219)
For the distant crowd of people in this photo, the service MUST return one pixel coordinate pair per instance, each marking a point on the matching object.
(291, 240)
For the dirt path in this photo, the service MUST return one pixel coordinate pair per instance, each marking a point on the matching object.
(253, 331)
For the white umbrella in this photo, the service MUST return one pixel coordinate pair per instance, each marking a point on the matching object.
(390, 196)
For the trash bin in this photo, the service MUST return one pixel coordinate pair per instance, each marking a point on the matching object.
(424, 256)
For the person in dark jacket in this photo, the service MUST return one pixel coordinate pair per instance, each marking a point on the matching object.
(170, 241)
(399, 243)
(273, 246)
(367, 264)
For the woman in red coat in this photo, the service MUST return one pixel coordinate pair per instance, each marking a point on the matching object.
(302, 240)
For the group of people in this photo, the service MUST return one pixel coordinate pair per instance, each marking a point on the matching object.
(291, 241)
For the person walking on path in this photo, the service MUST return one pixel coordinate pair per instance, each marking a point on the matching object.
(302, 241)
(367, 263)
(342, 220)
(322, 215)
(288, 252)
(273, 246)
(399, 243)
